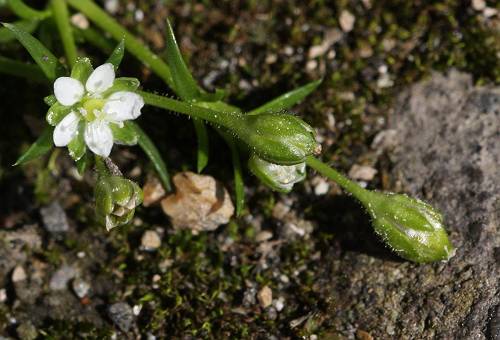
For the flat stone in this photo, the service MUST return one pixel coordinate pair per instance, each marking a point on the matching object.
(448, 153)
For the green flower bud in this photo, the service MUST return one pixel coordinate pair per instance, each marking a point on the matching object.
(116, 199)
(277, 177)
(411, 227)
(278, 138)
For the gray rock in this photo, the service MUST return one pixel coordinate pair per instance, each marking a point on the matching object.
(122, 315)
(54, 218)
(62, 276)
(448, 154)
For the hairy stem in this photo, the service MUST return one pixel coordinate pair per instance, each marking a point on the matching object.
(226, 119)
(361, 194)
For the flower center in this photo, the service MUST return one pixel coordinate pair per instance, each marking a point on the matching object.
(92, 108)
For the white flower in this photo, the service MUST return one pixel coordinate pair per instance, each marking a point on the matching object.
(97, 107)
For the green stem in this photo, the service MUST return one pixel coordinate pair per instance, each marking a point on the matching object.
(226, 119)
(61, 17)
(361, 194)
(133, 45)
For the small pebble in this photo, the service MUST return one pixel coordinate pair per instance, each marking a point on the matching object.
(3, 295)
(362, 172)
(263, 236)
(265, 297)
(80, 287)
(150, 240)
(279, 304)
(478, 5)
(347, 21)
(137, 309)
(80, 21)
(62, 276)
(19, 274)
(122, 315)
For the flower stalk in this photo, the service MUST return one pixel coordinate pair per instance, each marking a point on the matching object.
(410, 227)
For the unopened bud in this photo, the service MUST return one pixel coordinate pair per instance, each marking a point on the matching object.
(278, 138)
(116, 199)
(411, 227)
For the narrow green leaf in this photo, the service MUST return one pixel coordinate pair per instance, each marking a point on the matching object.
(185, 85)
(203, 146)
(49, 64)
(117, 55)
(188, 90)
(287, 100)
(26, 12)
(125, 135)
(239, 185)
(21, 69)
(82, 69)
(154, 155)
(28, 25)
(42, 145)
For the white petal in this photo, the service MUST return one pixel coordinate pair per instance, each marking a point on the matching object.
(66, 130)
(101, 79)
(99, 138)
(68, 91)
(123, 105)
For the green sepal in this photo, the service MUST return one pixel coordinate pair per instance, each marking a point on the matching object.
(50, 100)
(103, 197)
(124, 135)
(82, 69)
(278, 177)
(122, 190)
(122, 84)
(56, 113)
(76, 146)
(117, 55)
(84, 163)
(39, 148)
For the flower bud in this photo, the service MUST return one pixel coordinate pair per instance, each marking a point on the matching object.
(411, 227)
(278, 138)
(116, 199)
(277, 177)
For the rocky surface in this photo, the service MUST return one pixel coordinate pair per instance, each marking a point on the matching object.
(448, 154)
